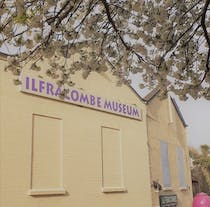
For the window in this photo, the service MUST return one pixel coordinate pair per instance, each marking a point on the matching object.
(180, 160)
(112, 177)
(46, 159)
(165, 164)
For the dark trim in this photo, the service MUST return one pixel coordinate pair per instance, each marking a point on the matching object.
(178, 112)
(153, 94)
(150, 96)
(3, 55)
(133, 90)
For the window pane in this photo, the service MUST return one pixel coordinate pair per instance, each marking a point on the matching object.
(165, 164)
(181, 167)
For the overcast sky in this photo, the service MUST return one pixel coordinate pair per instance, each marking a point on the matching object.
(197, 116)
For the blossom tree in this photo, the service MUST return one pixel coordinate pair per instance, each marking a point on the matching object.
(166, 41)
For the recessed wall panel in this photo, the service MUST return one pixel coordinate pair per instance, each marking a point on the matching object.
(165, 164)
(111, 159)
(46, 153)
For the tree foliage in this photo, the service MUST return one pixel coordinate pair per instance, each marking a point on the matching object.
(166, 41)
(202, 160)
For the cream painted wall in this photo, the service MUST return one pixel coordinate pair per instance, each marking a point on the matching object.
(81, 161)
(164, 124)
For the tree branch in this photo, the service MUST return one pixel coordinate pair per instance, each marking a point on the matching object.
(203, 25)
(52, 19)
(2, 4)
(106, 5)
(178, 39)
(191, 8)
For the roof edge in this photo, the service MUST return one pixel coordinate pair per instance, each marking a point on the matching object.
(137, 94)
(151, 95)
(3, 56)
(178, 112)
(154, 93)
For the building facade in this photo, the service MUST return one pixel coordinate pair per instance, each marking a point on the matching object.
(100, 146)
(87, 150)
(169, 158)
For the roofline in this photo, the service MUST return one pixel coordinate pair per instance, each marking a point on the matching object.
(146, 101)
(153, 96)
(178, 112)
(141, 98)
(175, 106)
(3, 56)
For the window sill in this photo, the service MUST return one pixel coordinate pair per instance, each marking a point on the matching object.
(183, 188)
(170, 123)
(53, 191)
(167, 188)
(113, 189)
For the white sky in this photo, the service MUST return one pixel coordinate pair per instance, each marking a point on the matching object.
(197, 116)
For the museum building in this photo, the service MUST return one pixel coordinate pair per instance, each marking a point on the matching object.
(100, 146)
(168, 153)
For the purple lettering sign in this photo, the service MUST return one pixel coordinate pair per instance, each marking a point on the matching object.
(51, 90)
